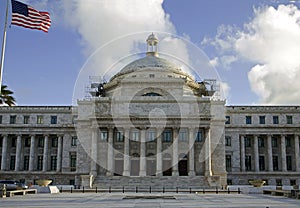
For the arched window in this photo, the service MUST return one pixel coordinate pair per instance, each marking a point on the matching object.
(151, 94)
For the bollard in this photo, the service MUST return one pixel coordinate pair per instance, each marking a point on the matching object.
(96, 189)
(71, 189)
(217, 191)
(203, 191)
(136, 189)
(82, 189)
(163, 189)
(109, 190)
(239, 190)
(150, 190)
(228, 191)
(177, 190)
(123, 190)
(190, 190)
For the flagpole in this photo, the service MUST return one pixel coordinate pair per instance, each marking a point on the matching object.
(3, 45)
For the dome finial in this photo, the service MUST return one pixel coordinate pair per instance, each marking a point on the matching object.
(152, 45)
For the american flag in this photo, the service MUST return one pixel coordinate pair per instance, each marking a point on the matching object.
(25, 16)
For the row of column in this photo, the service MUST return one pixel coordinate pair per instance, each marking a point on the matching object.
(32, 154)
(159, 168)
(270, 153)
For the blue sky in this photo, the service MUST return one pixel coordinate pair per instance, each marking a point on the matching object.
(42, 69)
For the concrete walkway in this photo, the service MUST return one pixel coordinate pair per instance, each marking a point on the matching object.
(91, 200)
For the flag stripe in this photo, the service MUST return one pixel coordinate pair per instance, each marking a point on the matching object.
(26, 16)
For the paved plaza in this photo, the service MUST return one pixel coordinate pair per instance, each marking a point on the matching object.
(108, 200)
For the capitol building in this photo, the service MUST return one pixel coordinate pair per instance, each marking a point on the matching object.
(151, 124)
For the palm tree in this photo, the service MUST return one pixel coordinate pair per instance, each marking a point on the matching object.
(6, 97)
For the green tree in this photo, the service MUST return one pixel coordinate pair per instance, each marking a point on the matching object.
(6, 97)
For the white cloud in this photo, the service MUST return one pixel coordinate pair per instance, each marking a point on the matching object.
(271, 41)
(214, 62)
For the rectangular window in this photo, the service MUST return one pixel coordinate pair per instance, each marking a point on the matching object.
(182, 136)
(289, 166)
(26, 119)
(0, 119)
(278, 182)
(39, 120)
(275, 120)
(167, 136)
(12, 162)
(151, 136)
(248, 119)
(135, 136)
(261, 163)
(40, 142)
(228, 141)
(262, 119)
(73, 159)
(261, 142)
(12, 119)
(247, 142)
(1, 141)
(289, 119)
(74, 141)
(275, 163)
(27, 142)
(274, 142)
(26, 162)
(13, 142)
(293, 182)
(40, 163)
(53, 163)
(53, 119)
(54, 142)
(227, 120)
(199, 136)
(103, 135)
(228, 163)
(248, 162)
(288, 142)
(119, 136)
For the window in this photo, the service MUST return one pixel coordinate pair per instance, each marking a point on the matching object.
(289, 119)
(27, 142)
(54, 142)
(0, 119)
(12, 162)
(227, 120)
(275, 120)
(247, 142)
(288, 142)
(227, 141)
(53, 119)
(53, 163)
(26, 119)
(293, 182)
(199, 136)
(274, 142)
(261, 142)
(103, 135)
(151, 135)
(275, 163)
(151, 75)
(14, 142)
(182, 136)
(26, 162)
(278, 182)
(261, 163)
(229, 181)
(135, 136)
(12, 119)
(119, 136)
(248, 162)
(289, 166)
(262, 119)
(167, 136)
(41, 142)
(248, 119)
(1, 141)
(39, 120)
(228, 163)
(72, 182)
(74, 141)
(40, 163)
(151, 94)
(73, 159)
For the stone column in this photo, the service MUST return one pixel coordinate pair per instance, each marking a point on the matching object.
(18, 153)
(191, 152)
(46, 150)
(283, 154)
(143, 154)
(59, 153)
(175, 152)
(126, 171)
(159, 171)
(256, 154)
(297, 161)
(94, 151)
(208, 171)
(110, 153)
(242, 146)
(4, 153)
(32, 153)
(270, 154)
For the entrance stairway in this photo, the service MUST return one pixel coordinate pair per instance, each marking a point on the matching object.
(155, 182)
